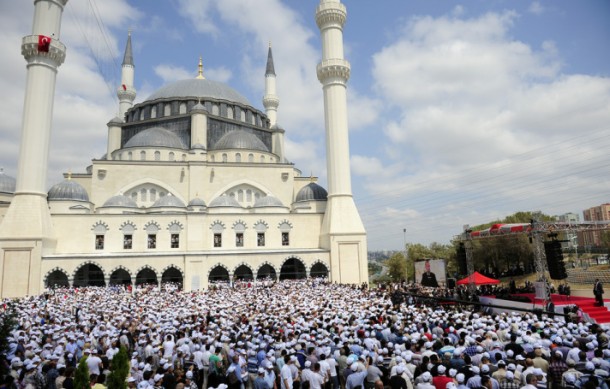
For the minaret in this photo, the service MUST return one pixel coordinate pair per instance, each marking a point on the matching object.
(126, 92)
(271, 102)
(342, 230)
(26, 232)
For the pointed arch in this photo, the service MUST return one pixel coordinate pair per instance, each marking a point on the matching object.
(318, 269)
(265, 271)
(158, 185)
(120, 275)
(89, 273)
(219, 272)
(293, 268)
(172, 274)
(243, 271)
(146, 275)
(56, 278)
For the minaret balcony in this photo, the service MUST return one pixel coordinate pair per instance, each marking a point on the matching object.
(334, 68)
(29, 50)
(331, 14)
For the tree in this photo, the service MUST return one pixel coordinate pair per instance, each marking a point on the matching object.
(397, 267)
(119, 370)
(8, 322)
(81, 376)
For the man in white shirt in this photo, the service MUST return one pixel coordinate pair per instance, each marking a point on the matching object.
(286, 373)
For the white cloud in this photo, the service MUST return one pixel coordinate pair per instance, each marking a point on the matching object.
(170, 73)
(536, 8)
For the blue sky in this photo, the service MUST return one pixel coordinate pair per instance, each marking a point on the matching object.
(460, 111)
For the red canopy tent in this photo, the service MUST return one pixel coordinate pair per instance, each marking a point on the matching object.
(478, 279)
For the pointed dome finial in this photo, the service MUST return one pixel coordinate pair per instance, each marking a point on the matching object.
(200, 70)
(128, 57)
(270, 67)
(69, 174)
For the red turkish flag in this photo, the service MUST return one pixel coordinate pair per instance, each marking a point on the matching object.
(124, 87)
(43, 43)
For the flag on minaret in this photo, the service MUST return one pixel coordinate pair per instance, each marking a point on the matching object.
(43, 43)
(124, 86)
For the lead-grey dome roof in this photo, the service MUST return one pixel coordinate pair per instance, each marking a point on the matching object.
(155, 137)
(224, 201)
(120, 201)
(7, 183)
(267, 201)
(168, 201)
(240, 139)
(68, 190)
(196, 202)
(312, 192)
(199, 89)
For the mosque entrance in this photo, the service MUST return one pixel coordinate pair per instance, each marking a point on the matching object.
(173, 276)
(243, 273)
(57, 279)
(146, 276)
(219, 273)
(319, 270)
(266, 272)
(292, 269)
(89, 275)
(120, 277)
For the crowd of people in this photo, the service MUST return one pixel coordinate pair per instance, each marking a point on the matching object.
(304, 334)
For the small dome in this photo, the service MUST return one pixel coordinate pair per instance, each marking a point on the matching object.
(68, 190)
(312, 192)
(224, 201)
(168, 201)
(155, 137)
(267, 201)
(7, 183)
(196, 202)
(240, 139)
(199, 89)
(120, 201)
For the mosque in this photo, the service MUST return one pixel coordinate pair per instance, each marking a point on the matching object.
(194, 188)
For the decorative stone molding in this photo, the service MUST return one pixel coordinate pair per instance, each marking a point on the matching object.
(147, 267)
(175, 226)
(334, 69)
(166, 268)
(218, 223)
(56, 54)
(331, 15)
(121, 267)
(217, 265)
(88, 263)
(59, 269)
(127, 225)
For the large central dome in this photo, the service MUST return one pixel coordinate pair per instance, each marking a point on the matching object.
(199, 89)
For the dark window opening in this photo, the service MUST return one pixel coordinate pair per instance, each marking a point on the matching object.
(152, 241)
(99, 242)
(285, 239)
(239, 239)
(175, 241)
(127, 242)
(217, 240)
(260, 239)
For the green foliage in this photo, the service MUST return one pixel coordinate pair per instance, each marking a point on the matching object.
(8, 322)
(81, 376)
(374, 268)
(397, 267)
(119, 370)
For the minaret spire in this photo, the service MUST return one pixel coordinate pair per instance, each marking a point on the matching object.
(271, 102)
(126, 91)
(342, 230)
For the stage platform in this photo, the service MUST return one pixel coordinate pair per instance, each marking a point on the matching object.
(591, 313)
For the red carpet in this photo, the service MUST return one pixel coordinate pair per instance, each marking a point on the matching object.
(598, 314)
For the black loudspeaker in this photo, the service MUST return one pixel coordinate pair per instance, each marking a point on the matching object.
(461, 259)
(451, 283)
(554, 260)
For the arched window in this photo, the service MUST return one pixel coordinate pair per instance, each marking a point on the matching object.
(238, 157)
(143, 195)
(182, 109)
(248, 195)
(134, 196)
(153, 112)
(142, 115)
(172, 156)
(224, 157)
(243, 116)
(240, 195)
(157, 156)
(262, 159)
(167, 109)
(230, 112)
(142, 155)
(153, 195)
(250, 157)
(130, 156)
(215, 109)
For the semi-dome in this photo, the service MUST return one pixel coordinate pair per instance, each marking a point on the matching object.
(68, 190)
(196, 202)
(267, 201)
(224, 201)
(168, 201)
(120, 201)
(155, 137)
(7, 183)
(199, 89)
(312, 192)
(240, 139)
